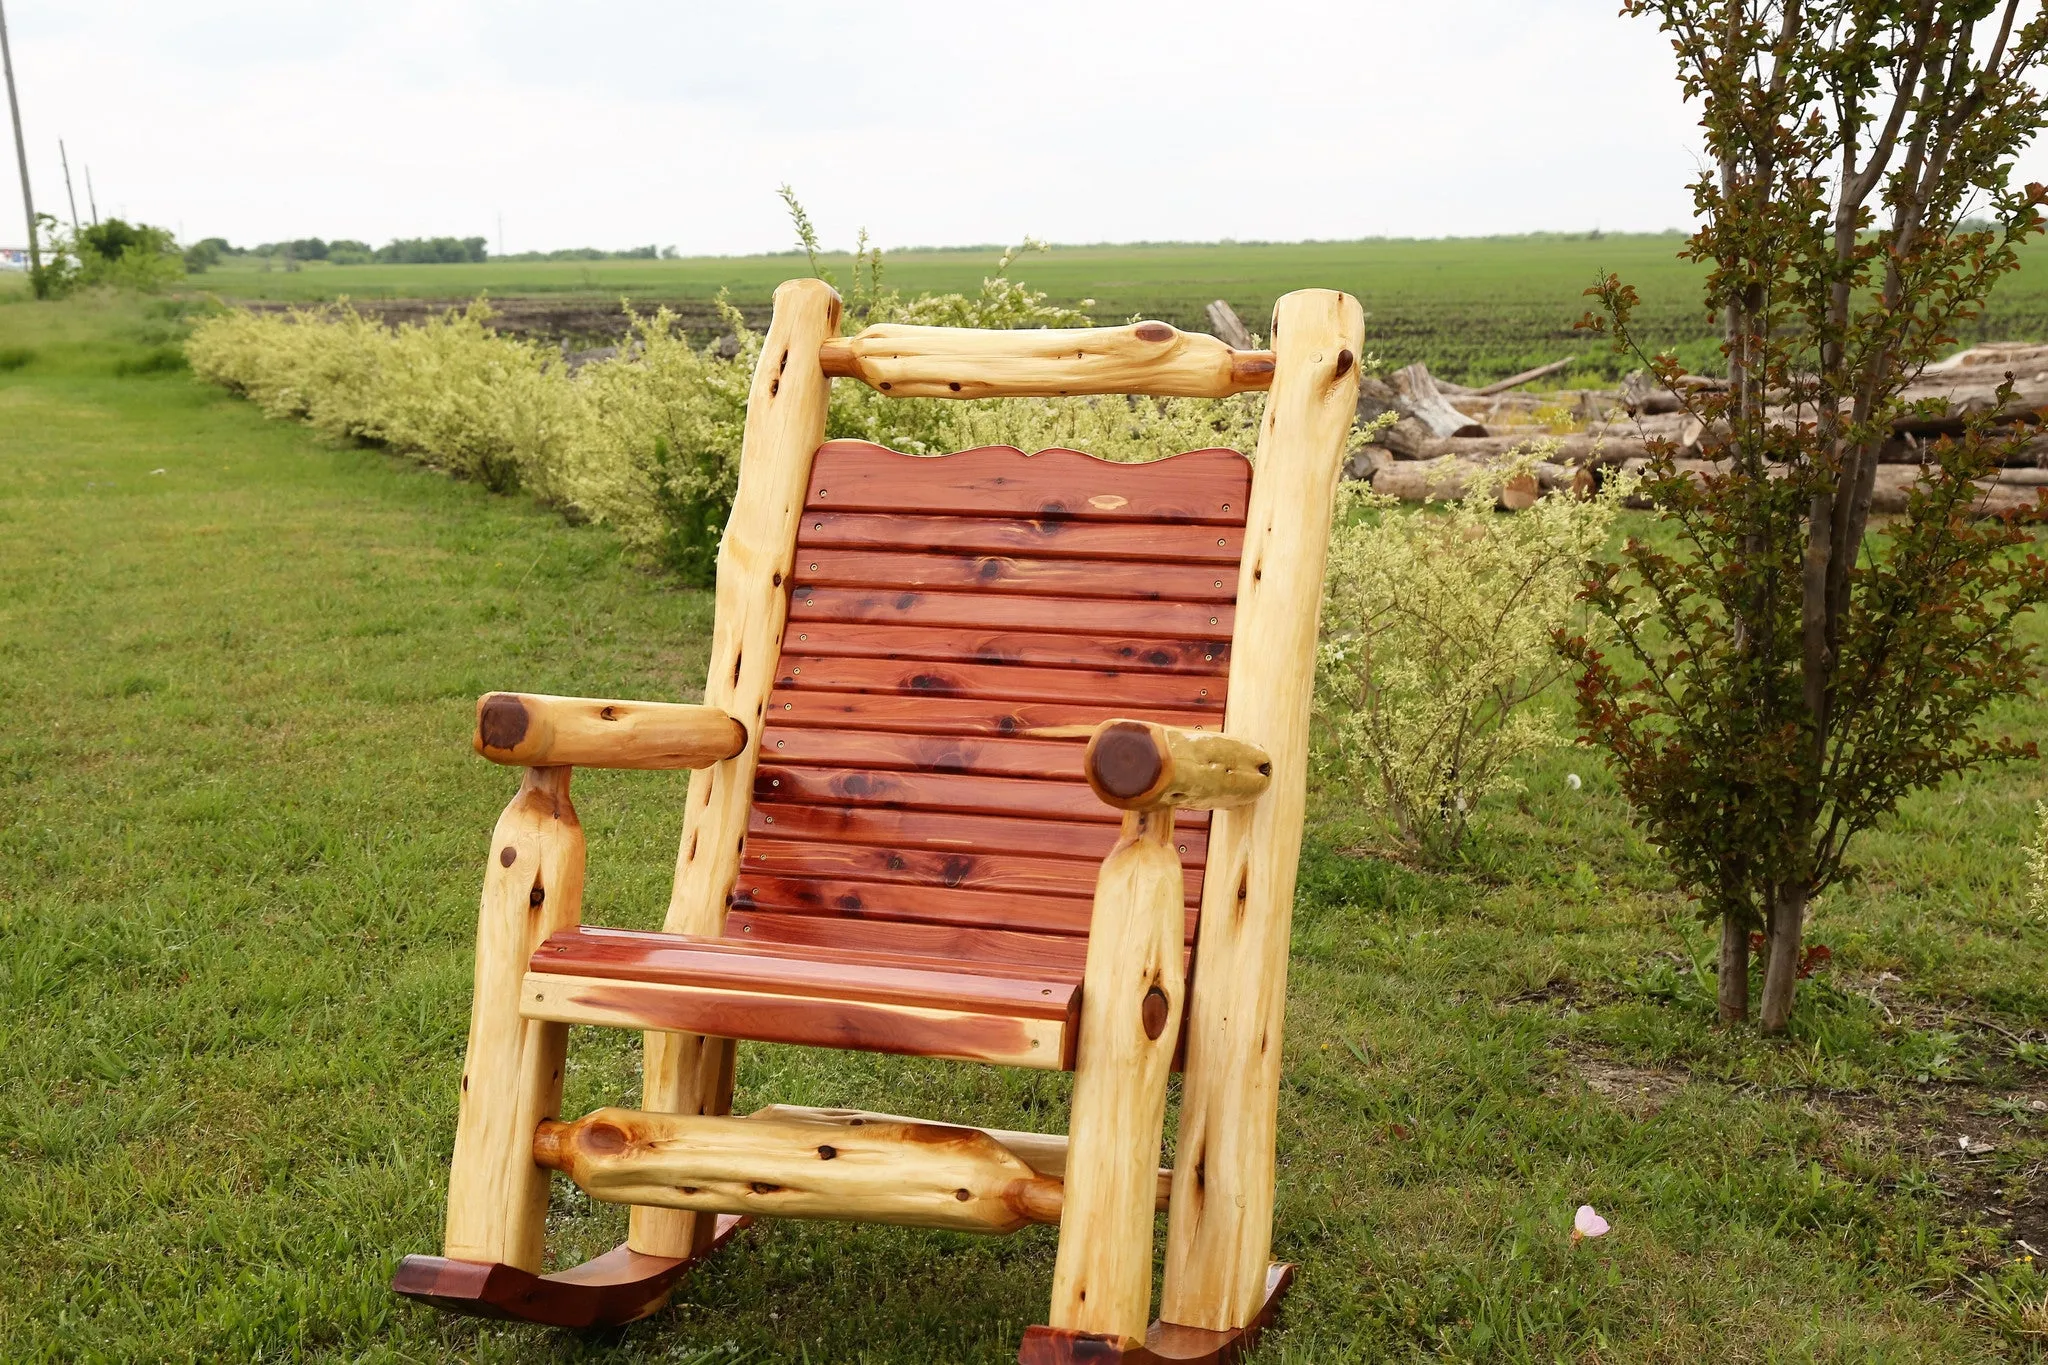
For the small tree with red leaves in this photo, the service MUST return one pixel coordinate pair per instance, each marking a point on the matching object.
(1795, 673)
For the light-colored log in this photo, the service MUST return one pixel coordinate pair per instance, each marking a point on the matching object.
(1426, 403)
(512, 1069)
(1131, 1000)
(1228, 327)
(915, 1174)
(952, 362)
(666, 1006)
(691, 1074)
(1515, 381)
(1221, 1226)
(1045, 1153)
(1137, 765)
(584, 732)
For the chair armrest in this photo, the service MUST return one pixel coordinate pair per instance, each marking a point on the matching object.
(579, 732)
(1137, 765)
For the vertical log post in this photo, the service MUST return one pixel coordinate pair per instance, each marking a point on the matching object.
(1220, 1227)
(512, 1072)
(687, 1073)
(1130, 1019)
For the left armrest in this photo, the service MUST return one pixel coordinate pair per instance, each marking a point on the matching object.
(582, 732)
(1139, 765)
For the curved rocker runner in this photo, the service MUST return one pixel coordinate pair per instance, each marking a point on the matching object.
(1001, 759)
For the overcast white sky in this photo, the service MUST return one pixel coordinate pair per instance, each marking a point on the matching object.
(929, 122)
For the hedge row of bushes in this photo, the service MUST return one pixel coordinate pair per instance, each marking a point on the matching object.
(648, 442)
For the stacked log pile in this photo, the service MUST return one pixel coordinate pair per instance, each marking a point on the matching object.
(1443, 433)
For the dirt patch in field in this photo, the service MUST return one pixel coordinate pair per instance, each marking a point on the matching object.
(1638, 1090)
(572, 321)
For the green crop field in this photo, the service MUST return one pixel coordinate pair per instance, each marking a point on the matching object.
(239, 858)
(1471, 308)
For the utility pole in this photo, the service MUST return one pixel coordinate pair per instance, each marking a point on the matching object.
(65, 158)
(28, 203)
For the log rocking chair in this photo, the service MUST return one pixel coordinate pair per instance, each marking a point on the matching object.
(1001, 759)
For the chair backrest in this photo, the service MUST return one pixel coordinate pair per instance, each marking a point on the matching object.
(943, 613)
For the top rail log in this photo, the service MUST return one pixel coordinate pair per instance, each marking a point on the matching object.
(951, 362)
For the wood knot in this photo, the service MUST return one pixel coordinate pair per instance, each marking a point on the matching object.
(508, 856)
(603, 1140)
(536, 896)
(1153, 1012)
(1154, 331)
(827, 1152)
(1344, 362)
(501, 722)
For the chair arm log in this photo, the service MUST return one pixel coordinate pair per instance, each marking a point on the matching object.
(1139, 765)
(580, 732)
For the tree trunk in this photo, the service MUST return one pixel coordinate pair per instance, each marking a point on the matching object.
(1734, 970)
(1781, 972)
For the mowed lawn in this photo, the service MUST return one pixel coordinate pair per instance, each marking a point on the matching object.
(240, 848)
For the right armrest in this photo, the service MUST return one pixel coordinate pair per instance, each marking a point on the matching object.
(582, 732)
(1140, 765)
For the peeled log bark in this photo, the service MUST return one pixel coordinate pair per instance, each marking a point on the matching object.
(1427, 404)
(1447, 480)
(1515, 381)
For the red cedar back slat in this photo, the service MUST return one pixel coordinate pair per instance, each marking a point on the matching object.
(1119, 580)
(960, 716)
(971, 871)
(1220, 545)
(1058, 759)
(945, 832)
(960, 644)
(912, 841)
(967, 793)
(884, 902)
(1094, 617)
(832, 974)
(999, 681)
(1202, 486)
(1053, 954)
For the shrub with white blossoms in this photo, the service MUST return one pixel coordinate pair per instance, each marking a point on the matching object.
(1437, 634)
(648, 442)
(2037, 865)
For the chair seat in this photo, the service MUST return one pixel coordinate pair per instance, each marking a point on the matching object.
(850, 988)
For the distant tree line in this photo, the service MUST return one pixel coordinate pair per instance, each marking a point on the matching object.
(403, 251)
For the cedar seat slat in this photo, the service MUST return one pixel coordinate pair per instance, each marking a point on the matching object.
(948, 832)
(919, 866)
(1047, 539)
(1114, 579)
(919, 714)
(970, 645)
(996, 682)
(965, 793)
(1092, 616)
(961, 869)
(868, 902)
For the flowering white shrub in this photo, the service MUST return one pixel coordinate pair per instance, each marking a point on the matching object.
(648, 441)
(2037, 865)
(1437, 632)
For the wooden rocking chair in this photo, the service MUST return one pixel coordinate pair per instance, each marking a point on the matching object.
(919, 670)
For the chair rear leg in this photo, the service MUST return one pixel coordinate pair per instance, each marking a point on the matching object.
(1130, 1018)
(685, 1073)
(512, 1072)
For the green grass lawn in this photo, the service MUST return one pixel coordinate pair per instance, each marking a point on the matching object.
(239, 858)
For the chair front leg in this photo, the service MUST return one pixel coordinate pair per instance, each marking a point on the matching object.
(1131, 1000)
(512, 1072)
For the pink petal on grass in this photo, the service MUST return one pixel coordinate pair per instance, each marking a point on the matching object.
(1588, 1223)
